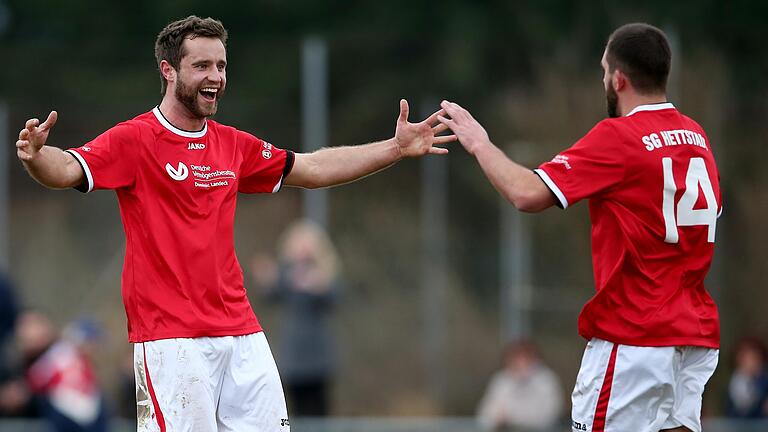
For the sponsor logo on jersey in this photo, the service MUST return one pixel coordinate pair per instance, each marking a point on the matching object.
(284, 422)
(195, 146)
(207, 177)
(562, 160)
(266, 154)
(578, 426)
(179, 173)
(86, 148)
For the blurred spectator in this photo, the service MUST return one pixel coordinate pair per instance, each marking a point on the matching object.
(748, 387)
(59, 372)
(524, 394)
(15, 398)
(8, 312)
(305, 281)
(126, 386)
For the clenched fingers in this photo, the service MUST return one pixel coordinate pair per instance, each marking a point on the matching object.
(32, 124)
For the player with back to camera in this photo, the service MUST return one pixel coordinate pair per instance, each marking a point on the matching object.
(654, 197)
(201, 360)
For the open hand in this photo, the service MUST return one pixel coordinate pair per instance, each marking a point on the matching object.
(469, 132)
(33, 137)
(418, 139)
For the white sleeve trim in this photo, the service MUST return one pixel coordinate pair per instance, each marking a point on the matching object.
(277, 187)
(552, 186)
(84, 164)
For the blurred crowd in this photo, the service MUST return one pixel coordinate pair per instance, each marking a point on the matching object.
(47, 372)
(525, 395)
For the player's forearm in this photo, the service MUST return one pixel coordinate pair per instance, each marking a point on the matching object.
(54, 168)
(338, 165)
(514, 181)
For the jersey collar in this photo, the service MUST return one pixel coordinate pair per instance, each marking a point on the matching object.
(652, 107)
(181, 132)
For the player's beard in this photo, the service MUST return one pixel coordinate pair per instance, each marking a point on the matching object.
(187, 95)
(612, 102)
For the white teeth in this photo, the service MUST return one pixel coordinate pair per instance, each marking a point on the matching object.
(212, 90)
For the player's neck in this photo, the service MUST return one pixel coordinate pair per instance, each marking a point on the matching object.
(630, 102)
(179, 116)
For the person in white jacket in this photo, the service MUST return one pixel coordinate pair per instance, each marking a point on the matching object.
(524, 394)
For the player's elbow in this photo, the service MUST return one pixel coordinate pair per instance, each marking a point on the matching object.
(312, 183)
(312, 179)
(529, 202)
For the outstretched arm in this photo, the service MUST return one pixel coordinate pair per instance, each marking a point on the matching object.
(339, 165)
(519, 185)
(49, 166)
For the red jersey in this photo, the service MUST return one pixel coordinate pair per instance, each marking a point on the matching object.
(177, 193)
(654, 198)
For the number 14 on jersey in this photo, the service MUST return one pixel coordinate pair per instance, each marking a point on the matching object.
(696, 179)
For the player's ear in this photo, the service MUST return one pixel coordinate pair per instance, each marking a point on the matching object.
(619, 80)
(168, 72)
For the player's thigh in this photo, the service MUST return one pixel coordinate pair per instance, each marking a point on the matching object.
(696, 368)
(623, 388)
(251, 393)
(174, 388)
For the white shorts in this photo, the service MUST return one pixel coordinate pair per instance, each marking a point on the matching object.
(624, 388)
(208, 384)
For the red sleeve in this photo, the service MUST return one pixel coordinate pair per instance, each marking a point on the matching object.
(264, 166)
(109, 161)
(587, 169)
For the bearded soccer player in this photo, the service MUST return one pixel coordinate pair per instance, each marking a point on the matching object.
(650, 177)
(202, 362)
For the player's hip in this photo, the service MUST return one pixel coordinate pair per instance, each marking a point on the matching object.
(625, 387)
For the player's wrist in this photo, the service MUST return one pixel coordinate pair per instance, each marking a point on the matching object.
(397, 150)
(480, 146)
(31, 156)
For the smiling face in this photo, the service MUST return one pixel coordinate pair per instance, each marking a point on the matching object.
(201, 78)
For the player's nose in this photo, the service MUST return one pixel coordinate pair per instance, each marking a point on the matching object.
(216, 76)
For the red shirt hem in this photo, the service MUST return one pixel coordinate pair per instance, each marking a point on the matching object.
(196, 333)
(660, 342)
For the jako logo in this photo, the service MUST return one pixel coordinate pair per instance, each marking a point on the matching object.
(179, 173)
(196, 146)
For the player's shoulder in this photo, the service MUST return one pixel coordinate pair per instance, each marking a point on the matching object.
(693, 124)
(224, 130)
(604, 129)
(216, 126)
(131, 128)
(144, 121)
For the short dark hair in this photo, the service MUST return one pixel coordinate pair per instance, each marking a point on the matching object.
(169, 43)
(641, 51)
